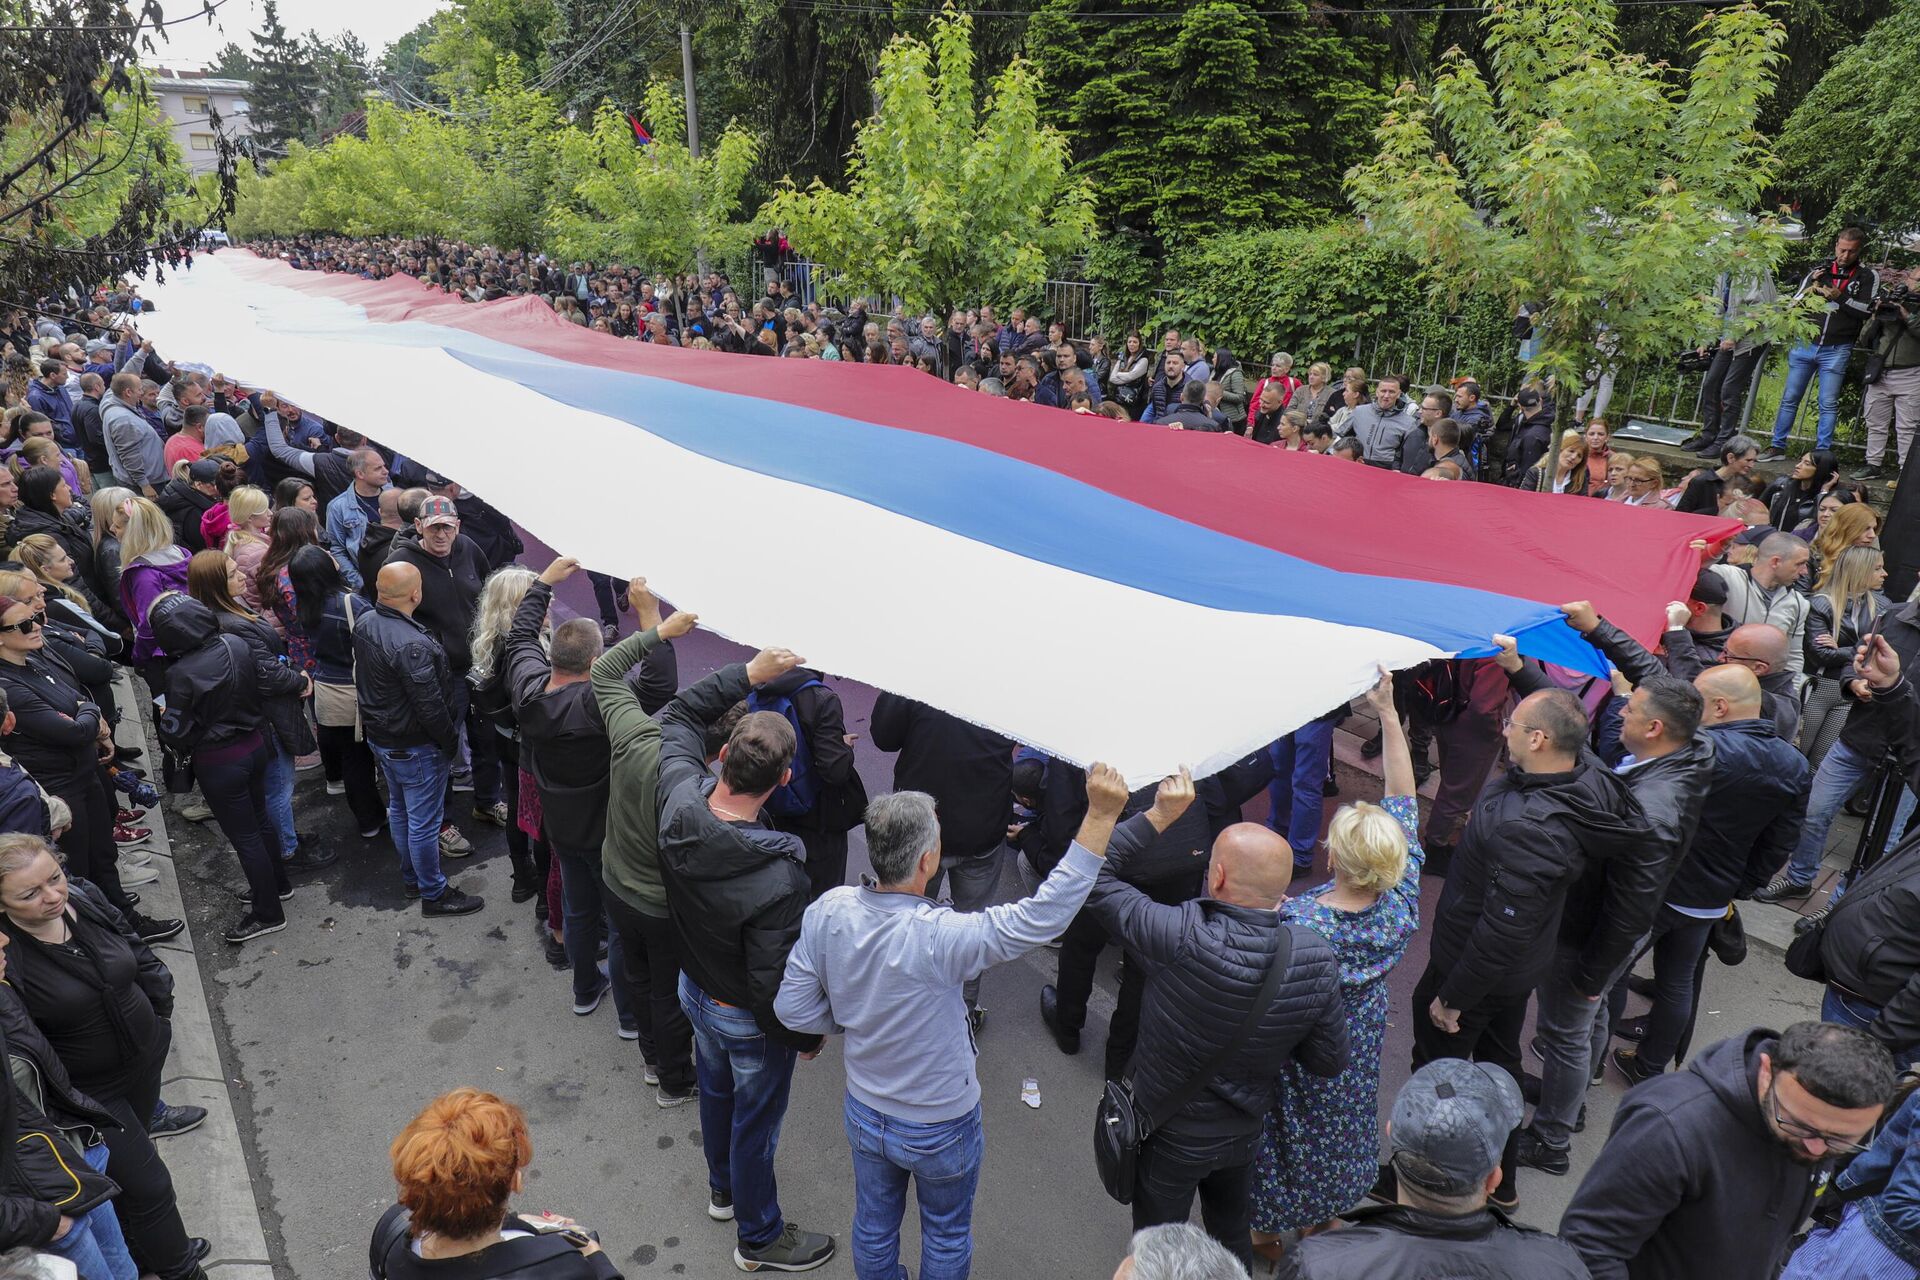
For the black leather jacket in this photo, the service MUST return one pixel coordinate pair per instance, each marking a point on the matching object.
(408, 696)
(1872, 943)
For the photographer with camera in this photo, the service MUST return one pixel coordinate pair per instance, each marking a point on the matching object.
(1892, 340)
(1845, 287)
(457, 1163)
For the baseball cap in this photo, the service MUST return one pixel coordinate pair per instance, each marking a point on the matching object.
(204, 471)
(1455, 1116)
(1527, 399)
(1709, 588)
(439, 511)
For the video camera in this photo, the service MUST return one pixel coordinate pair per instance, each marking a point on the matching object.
(1897, 296)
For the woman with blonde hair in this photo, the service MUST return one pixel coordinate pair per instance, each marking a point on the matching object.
(1562, 472)
(251, 511)
(1854, 525)
(535, 874)
(1319, 1152)
(1643, 484)
(70, 597)
(109, 508)
(44, 451)
(1842, 609)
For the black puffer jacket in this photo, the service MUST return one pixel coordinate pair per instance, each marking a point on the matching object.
(53, 1122)
(184, 506)
(56, 721)
(217, 683)
(1394, 1242)
(1208, 960)
(967, 770)
(408, 696)
(1871, 946)
(737, 891)
(283, 688)
(1529, 841)
(75, 537)
(1692, 1180)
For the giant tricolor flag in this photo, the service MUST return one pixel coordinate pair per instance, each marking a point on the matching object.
(1100, 590)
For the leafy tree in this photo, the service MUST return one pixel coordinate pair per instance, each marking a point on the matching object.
(91, 187)
(514, 137)
(231, 63)
(284, 84)
(945, 200)
(1851, 149)
(656, 206)
(470, 39)
(1196, 117)
(1585, 179)
(405, 73)
(340, 68)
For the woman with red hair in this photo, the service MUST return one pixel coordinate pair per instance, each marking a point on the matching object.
(457, 1164)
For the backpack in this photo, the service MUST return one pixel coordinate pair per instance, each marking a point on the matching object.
(1435, 692)
(800, 794)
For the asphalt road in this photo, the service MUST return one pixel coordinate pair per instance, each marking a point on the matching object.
(336, 1031)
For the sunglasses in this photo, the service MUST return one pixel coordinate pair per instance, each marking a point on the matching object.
(26, 625)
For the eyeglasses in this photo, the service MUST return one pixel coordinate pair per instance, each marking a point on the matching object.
(26, 625)
(1510, 723)
(1794, 1129)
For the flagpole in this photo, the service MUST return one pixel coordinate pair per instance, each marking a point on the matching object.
(693, 128)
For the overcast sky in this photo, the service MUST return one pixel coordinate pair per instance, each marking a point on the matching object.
(377, 22)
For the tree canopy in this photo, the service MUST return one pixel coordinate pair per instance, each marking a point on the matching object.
(1851, 147)
(1586, 179)
(91, 185)
(947, 198)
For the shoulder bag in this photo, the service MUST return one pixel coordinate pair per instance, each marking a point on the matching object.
(1119, 1127)
(337, 706)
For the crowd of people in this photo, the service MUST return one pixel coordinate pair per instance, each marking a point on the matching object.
(292, 593)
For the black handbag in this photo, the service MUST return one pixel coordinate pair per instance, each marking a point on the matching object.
(1803, 953)
(1119, 1127)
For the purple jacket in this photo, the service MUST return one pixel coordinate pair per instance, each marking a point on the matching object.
(142, 582)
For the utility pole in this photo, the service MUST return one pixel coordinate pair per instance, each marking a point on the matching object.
(693, 120)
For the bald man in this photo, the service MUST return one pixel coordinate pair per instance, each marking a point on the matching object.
(1215, 962)
(410, 707)
(1755, 806)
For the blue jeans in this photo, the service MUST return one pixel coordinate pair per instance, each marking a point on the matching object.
(1852, 1011)
(1840, 772)
(584, 912)
(94, 1243)
(416, 803)
(280, 798)
(1299, 774)
(1830, 362)
(943, 1159)
(744, 1078)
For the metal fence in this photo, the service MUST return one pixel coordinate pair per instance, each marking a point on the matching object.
(1657, 395)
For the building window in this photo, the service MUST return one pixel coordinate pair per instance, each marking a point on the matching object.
(239, 106)
(194, 106)
(202, 141)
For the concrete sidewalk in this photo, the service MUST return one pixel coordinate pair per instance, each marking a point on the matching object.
(209, 1166)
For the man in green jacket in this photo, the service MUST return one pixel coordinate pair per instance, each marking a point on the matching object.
(629, 858)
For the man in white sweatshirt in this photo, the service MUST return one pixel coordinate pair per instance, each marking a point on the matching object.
(884, 965)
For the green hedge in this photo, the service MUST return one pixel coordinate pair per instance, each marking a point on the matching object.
(1321, 292)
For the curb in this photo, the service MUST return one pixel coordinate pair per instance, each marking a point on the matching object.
(211, 1178)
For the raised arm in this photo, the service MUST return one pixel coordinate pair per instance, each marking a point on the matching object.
(1149, 929)
(1396, 758)
(683, 725)
(285, 454)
